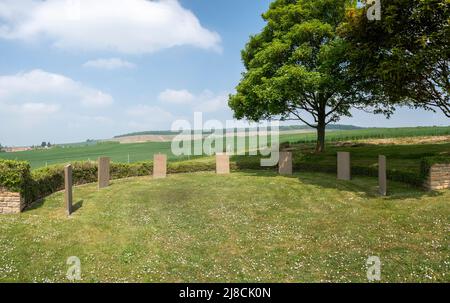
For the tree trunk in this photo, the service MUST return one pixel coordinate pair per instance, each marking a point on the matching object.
(320, 147)
(321, 125)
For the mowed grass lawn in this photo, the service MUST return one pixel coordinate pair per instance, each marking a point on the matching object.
(246, 227)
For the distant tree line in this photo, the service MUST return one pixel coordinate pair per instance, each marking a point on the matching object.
(46, 144)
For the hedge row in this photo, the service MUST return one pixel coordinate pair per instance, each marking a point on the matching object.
(392, 174)
(34, 185)
(428, 162)
(17, 176)
(51, 179)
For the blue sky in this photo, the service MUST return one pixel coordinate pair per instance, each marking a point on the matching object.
(72, 70)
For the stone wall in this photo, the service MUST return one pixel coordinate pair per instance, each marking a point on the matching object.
(439, 177)
(10, 202)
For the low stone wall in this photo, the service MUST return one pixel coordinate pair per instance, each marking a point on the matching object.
(439, 177)
(10, 202)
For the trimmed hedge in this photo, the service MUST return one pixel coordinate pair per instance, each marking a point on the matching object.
(392, 174)
(428, 162)
(17, 176)
(48, 180)
(13, 174)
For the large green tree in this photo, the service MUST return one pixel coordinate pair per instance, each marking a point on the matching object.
(296, 68)
(406, 55)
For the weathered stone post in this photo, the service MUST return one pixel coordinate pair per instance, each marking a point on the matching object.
(343, 166)
(103, 172)
(382, 175)
(222, 164)
(285, 163)
(68, 198)
(159, 166)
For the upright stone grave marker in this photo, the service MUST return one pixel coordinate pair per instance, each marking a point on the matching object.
(285, 163)
(382, 176)
(343, 166)
(159, 166)
(68, 199)
(222, 164)
(103, 172)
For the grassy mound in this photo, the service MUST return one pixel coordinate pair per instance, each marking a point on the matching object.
(251, 226)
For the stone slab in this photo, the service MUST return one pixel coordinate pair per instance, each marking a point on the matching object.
(222, 164)
(68, 196)
(159, 166)
(382, 175)
(285, 163)
(103, 172)
(343, 166)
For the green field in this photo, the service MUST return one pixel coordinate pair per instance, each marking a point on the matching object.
(246, 227)
(145, 151)
(117, 152)
(373, 133)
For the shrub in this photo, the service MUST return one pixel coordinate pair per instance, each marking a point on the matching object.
(428, 162)
(123, 170)
(47, 180)
(191, 166)
(50, 179)
(247, 162)
(15, 176)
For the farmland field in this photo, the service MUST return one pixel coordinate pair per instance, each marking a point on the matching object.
(247, 227)
(137, 152)
(117, 152)
(374, 133)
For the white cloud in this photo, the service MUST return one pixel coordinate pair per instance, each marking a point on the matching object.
(83, 121)
(154, 113)
(30, 109)
(176, 96)
(109, 64)
(206, 101)
(96, 99)
(38, 87)
(38, 105)
(131, 27)
(146, 117)
(39, 108)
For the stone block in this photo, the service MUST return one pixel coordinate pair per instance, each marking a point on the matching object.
(285, 163)
(382, 175)
(68, 196)
(103, 172)
(343, 166)
(222, 164)
(159, 166)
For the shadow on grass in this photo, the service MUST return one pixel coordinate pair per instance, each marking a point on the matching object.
(77, 206)
(35, 205)
(366, 187)
(39, 203)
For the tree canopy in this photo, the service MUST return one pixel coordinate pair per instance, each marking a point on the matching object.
(297, 67)
(406, 55)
